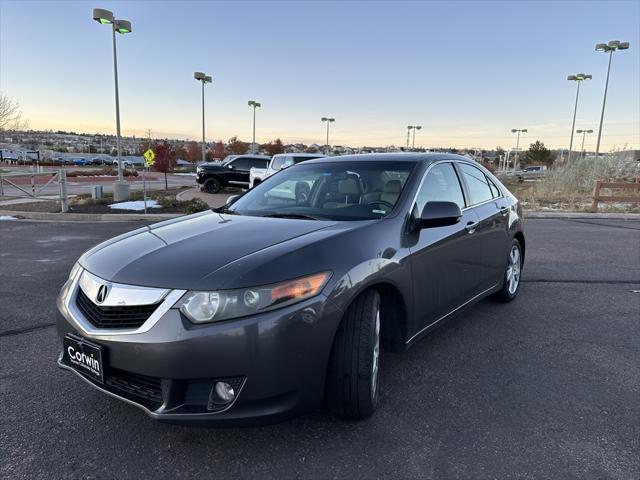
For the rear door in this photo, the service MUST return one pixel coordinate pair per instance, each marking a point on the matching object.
(444, 260)
(490, 207)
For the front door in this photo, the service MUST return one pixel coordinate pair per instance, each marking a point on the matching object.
(444, 260)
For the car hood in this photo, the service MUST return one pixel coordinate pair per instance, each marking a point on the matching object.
(181, 253)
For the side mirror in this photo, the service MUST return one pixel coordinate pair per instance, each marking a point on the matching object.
(231, 167)
(439, 214)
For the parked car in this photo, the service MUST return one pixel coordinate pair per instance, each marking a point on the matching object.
(97, 161)
(81, 161)
(232, 172)
(277, 302)
(278, 162)
(531, 173)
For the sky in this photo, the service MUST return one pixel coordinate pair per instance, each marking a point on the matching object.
(467, 72)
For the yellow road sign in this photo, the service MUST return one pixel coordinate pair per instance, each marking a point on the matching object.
(149, 158)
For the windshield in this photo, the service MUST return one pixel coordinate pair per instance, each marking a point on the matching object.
(229, 159)
(328, 191)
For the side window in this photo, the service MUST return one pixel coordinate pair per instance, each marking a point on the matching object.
(257, 163)
(277, 163)
(440, 185)
(479, 188)
(494, 189)
(242, 164)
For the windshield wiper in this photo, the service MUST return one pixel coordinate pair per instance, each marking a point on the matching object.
(299, 216)
(226, 210)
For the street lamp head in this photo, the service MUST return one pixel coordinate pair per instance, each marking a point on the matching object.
(104, 17)
(208, 79)
(572, 77)
(613, 44)
(513, 130)
(199, 75)
(601, 47)
(332, 119)
(524, 130)
(418, 127)
(623, 46)
(589, 131)
(122, 26)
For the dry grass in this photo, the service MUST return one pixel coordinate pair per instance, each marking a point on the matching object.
(570, 187)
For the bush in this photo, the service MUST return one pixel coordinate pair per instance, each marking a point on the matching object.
(194, 205)
(110, 171)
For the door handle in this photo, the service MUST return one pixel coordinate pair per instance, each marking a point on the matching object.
(504, 211)
(471, 227)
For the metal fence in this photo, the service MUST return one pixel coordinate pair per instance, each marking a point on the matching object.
(10, 186)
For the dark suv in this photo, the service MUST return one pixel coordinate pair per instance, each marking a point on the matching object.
(232, 172)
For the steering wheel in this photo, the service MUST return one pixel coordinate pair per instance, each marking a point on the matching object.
(382, 202)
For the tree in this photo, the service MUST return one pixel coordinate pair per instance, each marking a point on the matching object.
(538, 154)
(275, 147)
(10, 114)
(236, 147)
(194, 152)
(217, 152)
(179, 151)
(165, 160)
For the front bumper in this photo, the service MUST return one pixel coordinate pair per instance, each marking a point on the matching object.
(277, 360)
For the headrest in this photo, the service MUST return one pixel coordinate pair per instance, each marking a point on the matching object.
(392, 186)
(349, 186)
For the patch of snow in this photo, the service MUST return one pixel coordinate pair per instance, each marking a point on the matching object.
(137, 205)
(185, 174)
(7, 218)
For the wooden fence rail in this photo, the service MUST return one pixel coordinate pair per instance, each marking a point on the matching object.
(599, 185)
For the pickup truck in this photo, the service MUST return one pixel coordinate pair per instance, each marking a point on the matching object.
(278, 162)
(232, 172)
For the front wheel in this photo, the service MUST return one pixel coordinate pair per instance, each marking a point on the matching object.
(511, 282)
(352, 380)
(212, 185)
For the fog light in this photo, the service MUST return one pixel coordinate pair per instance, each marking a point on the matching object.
(225, 392)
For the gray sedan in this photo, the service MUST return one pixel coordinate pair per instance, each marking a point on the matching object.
(286, 297)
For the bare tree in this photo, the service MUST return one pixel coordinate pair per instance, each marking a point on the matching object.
(10, 114)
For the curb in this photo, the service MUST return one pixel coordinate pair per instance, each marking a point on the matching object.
(89, 217)
(583, 215)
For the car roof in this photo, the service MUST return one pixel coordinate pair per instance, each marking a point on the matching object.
(300, 154)
(426, 157)
(261, 157)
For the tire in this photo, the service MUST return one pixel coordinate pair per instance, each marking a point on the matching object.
(212, 185)
(352, 377)
(511, 280)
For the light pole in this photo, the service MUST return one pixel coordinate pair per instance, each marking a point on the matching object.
(105, 17)
(583, 132)
(578, 78)
(254, 104)
(518, 131)
(413, 143)
(203, 78)
(610, 47)
(409, 128)
(328, 120)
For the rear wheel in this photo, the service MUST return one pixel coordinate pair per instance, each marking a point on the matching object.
(212, 185)
(352, 380)
(511, 282)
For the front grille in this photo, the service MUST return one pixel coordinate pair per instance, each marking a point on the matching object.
(140, 386)
(113, 317)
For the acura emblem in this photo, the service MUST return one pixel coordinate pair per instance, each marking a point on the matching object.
(103, 291)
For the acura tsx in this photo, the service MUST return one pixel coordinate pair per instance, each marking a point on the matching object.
(285, 297)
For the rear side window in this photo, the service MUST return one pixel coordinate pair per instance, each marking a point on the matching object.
(479, 189)
(258, 163)
(440, 185)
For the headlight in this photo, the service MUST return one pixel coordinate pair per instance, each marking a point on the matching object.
(203, 307)
(74, 271)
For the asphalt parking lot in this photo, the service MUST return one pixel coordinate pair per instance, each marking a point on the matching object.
(547, 386)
